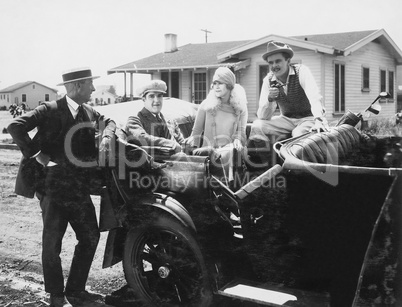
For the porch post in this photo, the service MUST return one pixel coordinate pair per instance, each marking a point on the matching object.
(131, 86)
(125, 84)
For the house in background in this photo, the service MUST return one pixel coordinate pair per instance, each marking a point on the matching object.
(31, 93)
(399, 89)
(103, 96)
(350, 68)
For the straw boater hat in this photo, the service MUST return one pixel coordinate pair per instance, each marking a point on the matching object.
(77, 74)
(276, 47)
(157, 86)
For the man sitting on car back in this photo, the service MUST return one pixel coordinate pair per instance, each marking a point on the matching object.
(149, 127)
(293, 89)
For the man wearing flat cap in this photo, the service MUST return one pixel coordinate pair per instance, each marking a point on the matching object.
(149, 126)
(56, 165)
(293, 89)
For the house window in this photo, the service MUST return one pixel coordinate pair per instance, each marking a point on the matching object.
(33, 86)
(264, 69)
(365, 79)
(383, 81)
(175, 84)
(339, 88)
(172, 81)
(24, 98)
(165, 78)
(200, 87)
(46, 97)
(391, 83)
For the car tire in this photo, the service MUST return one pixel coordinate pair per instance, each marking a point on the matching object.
(164, 265)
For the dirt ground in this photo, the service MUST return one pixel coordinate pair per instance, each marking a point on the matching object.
(21, 282)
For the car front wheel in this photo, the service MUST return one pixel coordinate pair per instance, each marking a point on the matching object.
(164, 265)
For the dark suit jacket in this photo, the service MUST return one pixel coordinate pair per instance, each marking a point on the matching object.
(144, 129)
(53, 121)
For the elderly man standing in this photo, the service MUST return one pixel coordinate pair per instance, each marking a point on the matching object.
(291, 87)
(61, 153)
(149, 126)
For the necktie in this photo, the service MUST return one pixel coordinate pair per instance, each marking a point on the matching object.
(81, 116)
(165, 131)
(83, 141)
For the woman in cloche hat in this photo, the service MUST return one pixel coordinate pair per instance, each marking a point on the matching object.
(221, 119)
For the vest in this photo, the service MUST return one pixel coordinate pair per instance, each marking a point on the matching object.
(83, 142)
(295, 103)
(52, 134)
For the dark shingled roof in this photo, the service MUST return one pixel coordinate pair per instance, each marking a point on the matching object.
(190, 55)
(339, 41)
(205, 55)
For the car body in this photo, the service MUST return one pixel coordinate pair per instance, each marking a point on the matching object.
(181, 111)
(322, 227)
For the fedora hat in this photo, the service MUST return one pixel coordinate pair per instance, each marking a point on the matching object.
(277, 47)
(77, 74)
(158, 86)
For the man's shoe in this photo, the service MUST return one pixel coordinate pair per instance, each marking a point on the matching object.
(59, 301)
(83, 296)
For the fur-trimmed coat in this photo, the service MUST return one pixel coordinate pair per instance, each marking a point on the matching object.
(220, 124)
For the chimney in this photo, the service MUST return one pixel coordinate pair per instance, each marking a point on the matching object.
(170, 42)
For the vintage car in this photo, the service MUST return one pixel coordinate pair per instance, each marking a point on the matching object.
(321, 227)
(181, 111)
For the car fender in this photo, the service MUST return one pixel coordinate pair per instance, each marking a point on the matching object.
(148, 204)
(175, 208)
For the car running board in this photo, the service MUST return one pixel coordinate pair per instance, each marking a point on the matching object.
(273, 295)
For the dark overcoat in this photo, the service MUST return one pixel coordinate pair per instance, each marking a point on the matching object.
(53, 121)
(145, 129)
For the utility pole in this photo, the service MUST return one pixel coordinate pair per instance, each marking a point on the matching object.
(206, 34)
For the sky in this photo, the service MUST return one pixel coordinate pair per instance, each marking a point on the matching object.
(40, 39)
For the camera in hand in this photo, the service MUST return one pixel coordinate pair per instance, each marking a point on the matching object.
(275, 83)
